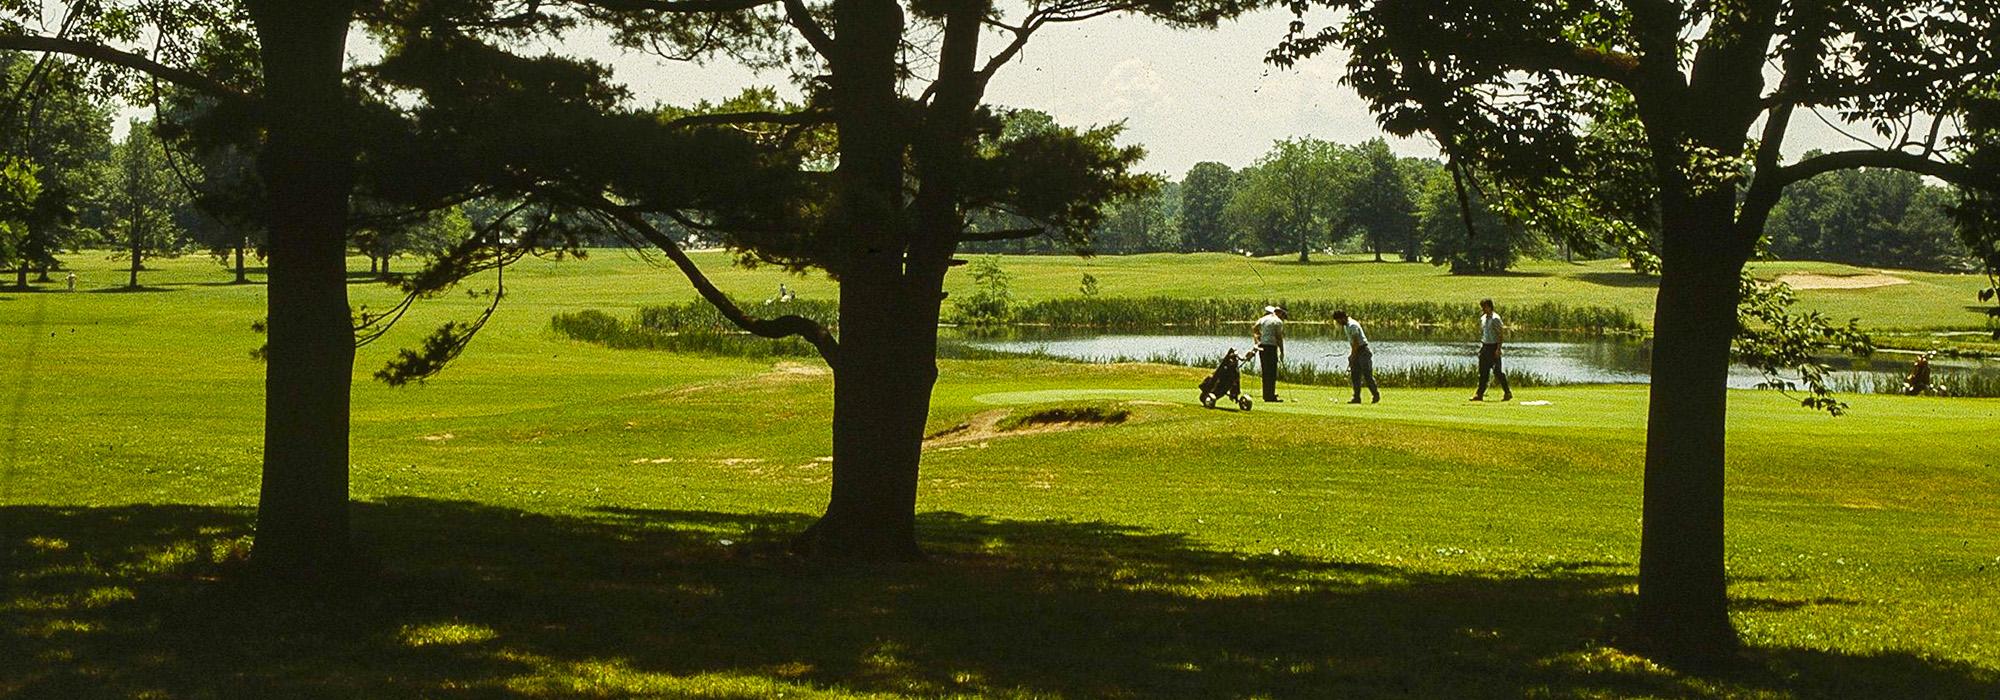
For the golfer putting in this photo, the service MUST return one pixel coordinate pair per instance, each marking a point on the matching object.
(1360, 360)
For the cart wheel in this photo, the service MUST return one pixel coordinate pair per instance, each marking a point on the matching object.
(1207, 401)
(1244, 402)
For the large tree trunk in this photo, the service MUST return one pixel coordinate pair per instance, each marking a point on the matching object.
(240, 245)
(307, 166)
(1683, 593)
(887, 363)
(881, 399)
(21, 275)
(138, 250)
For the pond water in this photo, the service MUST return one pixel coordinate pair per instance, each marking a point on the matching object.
(1574, 359)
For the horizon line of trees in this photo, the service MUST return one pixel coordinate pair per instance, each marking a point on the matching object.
(1308, 196)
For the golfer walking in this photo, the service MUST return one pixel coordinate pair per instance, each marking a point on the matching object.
(1270, 338)
(1360, 360)
(1491, 332)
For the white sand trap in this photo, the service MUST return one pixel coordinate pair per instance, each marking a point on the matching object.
(1811, 281)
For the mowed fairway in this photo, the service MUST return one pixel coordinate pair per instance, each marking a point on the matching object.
(551, 518)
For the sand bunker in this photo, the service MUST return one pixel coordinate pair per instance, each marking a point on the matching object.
(983, 427)
(1811, 281)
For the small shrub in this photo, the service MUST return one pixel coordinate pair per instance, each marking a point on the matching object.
(992, 299)
(1088, 413)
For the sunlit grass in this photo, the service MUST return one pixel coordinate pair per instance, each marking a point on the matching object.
(552, 518)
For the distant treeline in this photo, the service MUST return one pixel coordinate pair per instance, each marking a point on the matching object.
(1308, 196)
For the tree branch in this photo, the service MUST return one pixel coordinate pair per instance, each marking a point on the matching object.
(805, 118)
(780, 327)
(675, 6)
(1615, 66)
(1021, 36)
(802, 20)
(1832, 95)
(126, 59)
(1954, 173)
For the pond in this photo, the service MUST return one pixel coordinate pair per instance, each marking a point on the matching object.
(1570, 359)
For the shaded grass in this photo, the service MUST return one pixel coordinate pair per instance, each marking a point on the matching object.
(481, 600)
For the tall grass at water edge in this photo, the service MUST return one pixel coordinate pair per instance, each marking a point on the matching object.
(1159, 311)
(1094, 312)
(687, 331)
(1943, 383)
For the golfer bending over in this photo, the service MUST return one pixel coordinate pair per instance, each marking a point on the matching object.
(1490, 330)
(1360, 360)
(1270, 338)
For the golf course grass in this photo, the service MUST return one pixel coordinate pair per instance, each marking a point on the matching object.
(553, 518)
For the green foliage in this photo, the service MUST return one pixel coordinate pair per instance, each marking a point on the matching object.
(1062, 179)
(1781, 343)
(1870, 217)
(1205, 195)
(694, 334)
(385, 233)
(1976, 212)
(18, 191)
(143, 198)
(1289, 200)
(1143, 223)
(1943, 383)
(1494, 245)
(992, 299)
(1089, 287)
(1378, 202)
(53, 118)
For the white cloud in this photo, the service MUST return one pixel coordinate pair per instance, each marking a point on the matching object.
(1132, 87)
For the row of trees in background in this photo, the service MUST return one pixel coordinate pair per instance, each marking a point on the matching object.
(1304, 196)
(148, 193)
(1309, 196)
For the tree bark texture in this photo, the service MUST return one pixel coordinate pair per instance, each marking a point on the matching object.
(307, 167)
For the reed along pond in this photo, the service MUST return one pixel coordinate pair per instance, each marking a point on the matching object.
(1557, 357)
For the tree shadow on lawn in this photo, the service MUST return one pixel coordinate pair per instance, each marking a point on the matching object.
(218, 283)
(141, 289)
(1619, 279)
(1504, 274)
(479, 600)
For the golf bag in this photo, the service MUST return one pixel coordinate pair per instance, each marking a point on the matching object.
(1227, 380)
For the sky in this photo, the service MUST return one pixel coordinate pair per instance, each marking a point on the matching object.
(1186, 96)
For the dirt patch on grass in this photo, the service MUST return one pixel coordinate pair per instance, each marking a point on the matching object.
(1814, 281)
(988, 425)
(779, 374)
(799, 369)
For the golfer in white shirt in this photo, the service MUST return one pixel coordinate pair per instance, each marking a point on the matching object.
(1491, 330)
